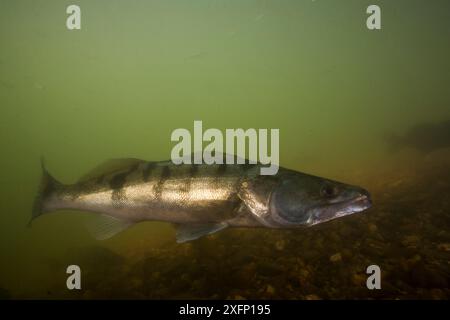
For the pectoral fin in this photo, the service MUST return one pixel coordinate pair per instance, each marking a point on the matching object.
(188, 232)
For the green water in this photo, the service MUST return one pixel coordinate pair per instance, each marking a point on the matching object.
(137, 70)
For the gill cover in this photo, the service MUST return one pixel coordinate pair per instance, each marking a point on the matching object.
(256, 192)
(290, 203)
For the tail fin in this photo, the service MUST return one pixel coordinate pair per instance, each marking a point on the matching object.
(46, 189)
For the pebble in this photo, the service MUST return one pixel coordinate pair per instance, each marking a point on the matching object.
(425, 277)
(444, 246)
(373, 228)
(336, 257)
(358, 280)
(280, 244)
(410, 241)
(312, 297)
(270, 290)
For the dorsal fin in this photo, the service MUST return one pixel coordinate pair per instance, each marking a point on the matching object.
(110, 166)
(190, 157)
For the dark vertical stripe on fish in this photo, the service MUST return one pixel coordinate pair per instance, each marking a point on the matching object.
(222, 168)
(247, 166)
(165, 174)
(118, 182)
(100, 179)
(146, 173)
(193, 170)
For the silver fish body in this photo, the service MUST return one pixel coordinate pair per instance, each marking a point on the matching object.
(200, 199)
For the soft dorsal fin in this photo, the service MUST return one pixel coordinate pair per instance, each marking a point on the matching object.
(188, 232)
(110, 166)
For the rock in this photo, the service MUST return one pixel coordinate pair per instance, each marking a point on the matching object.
(373, 228)
(416, 258)
(345, 231)
(186, 249)
(312, 297)
(88, 295)
(336, 257)
(270, 290)
(410, 241)
(304, 273)
(280, 244)
(424, 277)
(244, 276)
(269, 269)
(358, 280)
(238, 297)
(346, 253)
(334, 237)
(319, 243)
(136, 282)
(303, 277)
(444, 246)
(438, 294)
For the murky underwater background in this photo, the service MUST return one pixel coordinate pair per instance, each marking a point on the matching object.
(340, 94)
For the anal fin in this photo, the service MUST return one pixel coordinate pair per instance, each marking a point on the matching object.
(188, 232)
(103, 227)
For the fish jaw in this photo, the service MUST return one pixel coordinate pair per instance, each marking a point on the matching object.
(342, 209)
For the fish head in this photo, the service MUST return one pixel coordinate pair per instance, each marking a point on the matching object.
(304, 200)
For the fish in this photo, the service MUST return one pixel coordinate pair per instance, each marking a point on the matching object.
(424, 137)
(198, 199)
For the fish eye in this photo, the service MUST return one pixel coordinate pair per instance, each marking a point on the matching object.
(328, 191)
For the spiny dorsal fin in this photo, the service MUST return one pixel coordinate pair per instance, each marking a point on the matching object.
(110, 166)
(190, 157)
(188, 232)
(103, 227)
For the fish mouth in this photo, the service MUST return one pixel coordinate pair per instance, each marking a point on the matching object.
(364, 201)
(341, 209)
